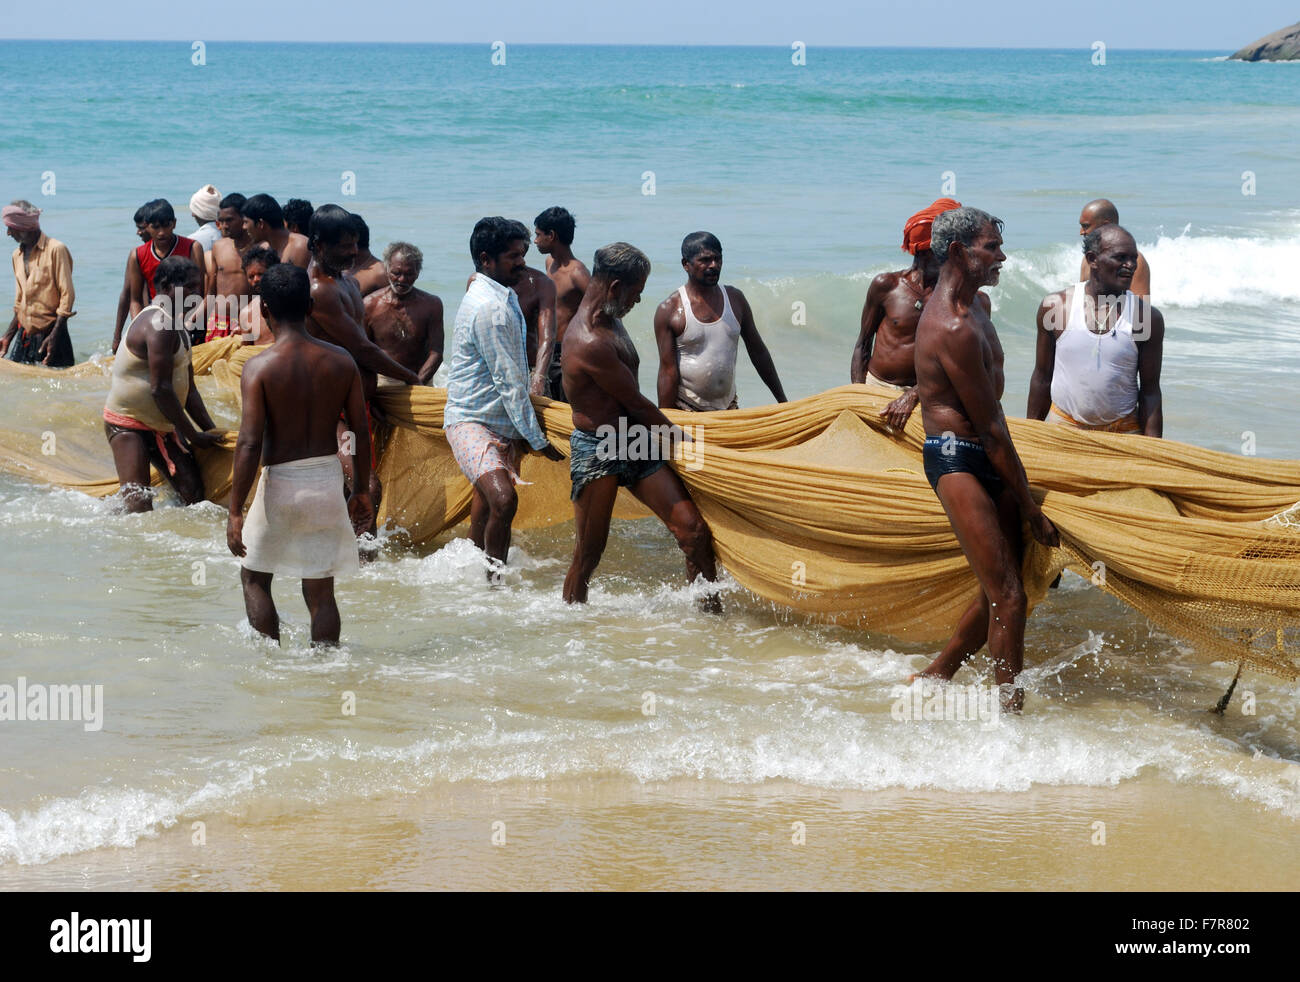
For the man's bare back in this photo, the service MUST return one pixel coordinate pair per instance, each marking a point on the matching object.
(290, 247)
(334, 299)
(409, 328)
(370, 275)
(304, 385)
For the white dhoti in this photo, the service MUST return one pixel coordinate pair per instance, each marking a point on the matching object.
(298, 522)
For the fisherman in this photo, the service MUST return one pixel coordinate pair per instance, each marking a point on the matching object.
(883, 353)
(697, 357)
(968, 455)
(1100, 346)
(298, 524)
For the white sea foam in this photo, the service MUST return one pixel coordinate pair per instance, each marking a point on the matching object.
(1188, 271)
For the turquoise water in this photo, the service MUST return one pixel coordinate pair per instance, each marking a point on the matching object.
(807, 174)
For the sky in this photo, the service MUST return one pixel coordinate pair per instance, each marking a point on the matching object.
(1210, 25)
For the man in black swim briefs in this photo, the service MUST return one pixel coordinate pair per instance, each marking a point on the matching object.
(969, 458)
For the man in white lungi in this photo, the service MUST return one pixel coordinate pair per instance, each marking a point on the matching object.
(299, 523)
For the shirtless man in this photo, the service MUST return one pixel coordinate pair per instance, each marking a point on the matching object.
(143, 262)
(536, 295)
(298, 525)
(697, 329)
(553, 235)
(230, 286)
(883, 354)
(124, 298)
(404, 321)
(1100, 346)
(368, 270)
(1101, 212)
(252, 327)
(337, 313)
(969, 458)
(264, 221)
(600, 375)
(297, 215)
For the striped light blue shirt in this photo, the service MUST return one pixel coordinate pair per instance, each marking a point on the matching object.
(487, 373)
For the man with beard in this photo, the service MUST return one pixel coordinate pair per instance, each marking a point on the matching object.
(404, 321)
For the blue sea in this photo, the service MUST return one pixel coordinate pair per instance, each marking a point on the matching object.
(494, 702)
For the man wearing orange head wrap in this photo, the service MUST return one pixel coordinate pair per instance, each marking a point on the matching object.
(883, 353)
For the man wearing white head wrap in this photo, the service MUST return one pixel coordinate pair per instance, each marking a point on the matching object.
(38, 332)
(204, 205)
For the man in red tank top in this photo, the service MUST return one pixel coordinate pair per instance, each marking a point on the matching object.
(160, 221)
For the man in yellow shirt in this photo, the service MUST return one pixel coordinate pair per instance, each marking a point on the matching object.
(38, 333)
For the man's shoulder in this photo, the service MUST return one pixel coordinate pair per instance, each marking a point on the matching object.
(671, 303)
(887, 281)
(427, 301)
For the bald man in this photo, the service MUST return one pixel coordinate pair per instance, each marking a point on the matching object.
(1101, 212)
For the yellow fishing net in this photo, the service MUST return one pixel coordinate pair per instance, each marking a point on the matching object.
(814, 507)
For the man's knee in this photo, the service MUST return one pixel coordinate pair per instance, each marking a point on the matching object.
(502, 502)
(1008, 600)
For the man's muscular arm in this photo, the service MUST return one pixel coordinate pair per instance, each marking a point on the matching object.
(1051, 319)
(666, 339)
(1151, 414)
(757, 350)
(1141, 284)
(545, 335)
(360, 508)
(328, 314)
(873, 312)
(434, 339)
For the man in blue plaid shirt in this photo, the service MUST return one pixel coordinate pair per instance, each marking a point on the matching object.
(489, 420)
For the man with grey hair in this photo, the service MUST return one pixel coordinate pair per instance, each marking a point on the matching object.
(969, 458)
(406, 322)
(1100, 346)
(1098, 214)
(619, 434)
(38, 331)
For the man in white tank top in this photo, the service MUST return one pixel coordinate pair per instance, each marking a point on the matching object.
(1100, 346)
(698, 329)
